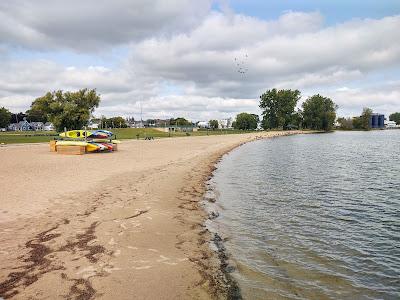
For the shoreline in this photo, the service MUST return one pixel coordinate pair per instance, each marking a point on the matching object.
(130, 220)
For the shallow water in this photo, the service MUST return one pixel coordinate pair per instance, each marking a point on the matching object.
(313, 216)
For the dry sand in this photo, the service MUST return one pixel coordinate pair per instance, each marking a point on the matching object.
(123, 225)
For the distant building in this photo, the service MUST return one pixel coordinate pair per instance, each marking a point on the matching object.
(13, 127)
(225, 123)
(48, 126)
(391, 124)
(377, 121)
(20, 126)
(136, 124)
(175, 128)
(37, 126)
(93, 125)
(203, 124)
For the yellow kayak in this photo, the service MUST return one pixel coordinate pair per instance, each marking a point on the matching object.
(74, 134)
(89, 147)
(106, 141)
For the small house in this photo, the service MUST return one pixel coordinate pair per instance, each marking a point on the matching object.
(13, 127)
(48, 126)
(37, 126)
(24, 125)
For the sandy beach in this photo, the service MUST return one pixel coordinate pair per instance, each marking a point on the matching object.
(123, 225)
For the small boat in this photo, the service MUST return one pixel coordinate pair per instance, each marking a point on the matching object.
(74, 134)
(89, 147)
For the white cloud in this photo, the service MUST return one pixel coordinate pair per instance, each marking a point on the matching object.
(191, 70)
(91, 24)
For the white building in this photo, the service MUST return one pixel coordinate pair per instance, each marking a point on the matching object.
(48, 126)
(225, 123)
(203, 124)
(93, 125)
(390, 124)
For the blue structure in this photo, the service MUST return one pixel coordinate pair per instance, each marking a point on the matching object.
(377, 121)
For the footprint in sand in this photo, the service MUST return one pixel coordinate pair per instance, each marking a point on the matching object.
(111, 269)
(87, 272)
(142, 268)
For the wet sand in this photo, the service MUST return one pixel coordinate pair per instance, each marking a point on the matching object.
(123, 225)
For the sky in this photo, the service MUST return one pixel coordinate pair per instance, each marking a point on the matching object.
(201, 59)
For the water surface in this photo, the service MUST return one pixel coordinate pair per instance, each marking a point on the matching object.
(313, 216)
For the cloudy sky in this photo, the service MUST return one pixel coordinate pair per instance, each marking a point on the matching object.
(200, 59)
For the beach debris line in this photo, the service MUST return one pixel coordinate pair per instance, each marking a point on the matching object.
(84, 141)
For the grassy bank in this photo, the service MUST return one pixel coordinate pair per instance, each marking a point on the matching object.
(17, 137)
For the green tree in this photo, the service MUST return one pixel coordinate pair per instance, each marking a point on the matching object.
(213, 124)
(5, 117)
(319, 113)
(297, 119)
(245, 121)
(357, 124)
(180, 122)
(36, 115)
(345, 123)
(365, 118)
(395, 117)
(278, 107)
(67, 109)
(116, 122)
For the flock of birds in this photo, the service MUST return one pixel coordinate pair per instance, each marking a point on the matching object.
(241, 64)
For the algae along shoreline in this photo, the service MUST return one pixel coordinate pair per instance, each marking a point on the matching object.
(106, 226)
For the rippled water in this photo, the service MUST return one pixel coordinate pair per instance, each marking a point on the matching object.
(313, 216)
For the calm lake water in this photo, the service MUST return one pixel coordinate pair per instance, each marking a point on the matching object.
(313, 216)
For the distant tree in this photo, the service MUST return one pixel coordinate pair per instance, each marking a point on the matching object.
(319, 113)
(71, 110)
(180, 122)
(15, 118)
(345, 123)
(5, 117)
(395, 117)
(278, 107)
(357, 124)
(297, 119)
(245, 121)
(365, 118)
(36, 115)
(213, 124)
(116, 122)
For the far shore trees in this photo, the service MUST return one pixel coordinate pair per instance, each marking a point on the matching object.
(245, 121)
(345, 123)
(114, 122)
(213, 124)
(395, 117)
(180, 122)
(70, 110)
(5, 117)
(362, 122)
(278, 108)
(319, 113)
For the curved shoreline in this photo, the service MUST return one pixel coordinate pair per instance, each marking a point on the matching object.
(224, 285)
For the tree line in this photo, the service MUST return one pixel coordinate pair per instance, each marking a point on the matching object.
(72, 110)
(278, 112)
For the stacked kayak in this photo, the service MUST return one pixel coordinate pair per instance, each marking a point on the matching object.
(93, 140)
(92, 134)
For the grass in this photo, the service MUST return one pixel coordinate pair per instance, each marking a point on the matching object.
(17, 137)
